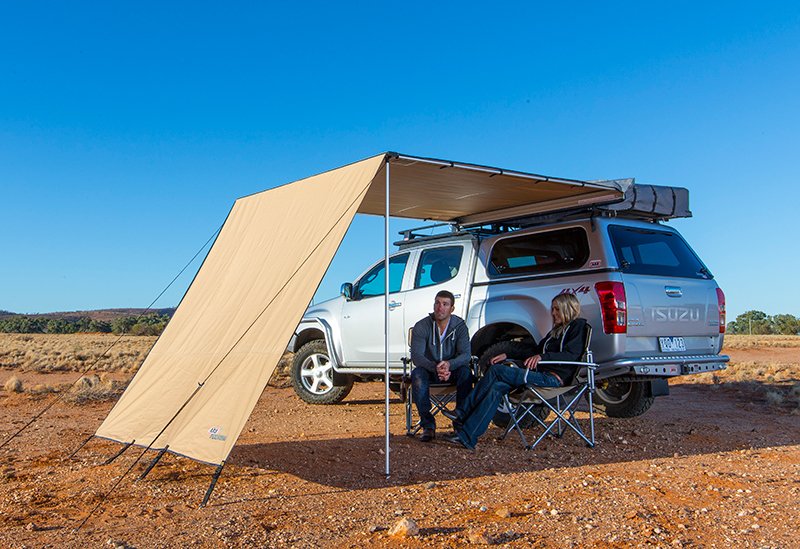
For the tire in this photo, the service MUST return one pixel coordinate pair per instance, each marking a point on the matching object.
(312, 375)
(514, 349)
(622, 398)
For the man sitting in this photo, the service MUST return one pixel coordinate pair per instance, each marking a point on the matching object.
(440, 351)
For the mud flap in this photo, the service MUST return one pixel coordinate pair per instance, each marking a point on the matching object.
(657, 387)
(340, 379)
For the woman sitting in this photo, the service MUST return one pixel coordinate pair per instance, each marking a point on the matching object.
(565, 342)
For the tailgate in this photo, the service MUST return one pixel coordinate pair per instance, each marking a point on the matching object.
(671, 295)
(679, 308)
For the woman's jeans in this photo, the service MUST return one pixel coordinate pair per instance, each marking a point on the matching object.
(481, 404)
(421, 380)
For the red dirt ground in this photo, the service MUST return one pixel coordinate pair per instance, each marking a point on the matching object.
(711, 465)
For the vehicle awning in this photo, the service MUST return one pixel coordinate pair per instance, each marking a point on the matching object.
(470, 194)
(200, 381)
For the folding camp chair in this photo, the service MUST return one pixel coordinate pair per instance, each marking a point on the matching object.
(561, 401)
(442, 394)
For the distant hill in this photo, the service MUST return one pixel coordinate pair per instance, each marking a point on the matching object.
(104, 315)
(118, 321)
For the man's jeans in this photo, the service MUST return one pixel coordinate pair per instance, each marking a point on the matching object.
(481, 404)
(421, 380)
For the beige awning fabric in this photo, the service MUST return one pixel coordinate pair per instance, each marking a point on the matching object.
(198, 385)
(469, 194)
(238, 315)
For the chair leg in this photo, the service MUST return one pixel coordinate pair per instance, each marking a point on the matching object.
(408, 414)
(571, 421)
(513, 421)
(591, 417)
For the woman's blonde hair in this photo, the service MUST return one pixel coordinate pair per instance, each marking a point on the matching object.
(570, 309)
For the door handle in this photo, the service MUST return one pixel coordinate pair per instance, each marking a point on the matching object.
(394, 305)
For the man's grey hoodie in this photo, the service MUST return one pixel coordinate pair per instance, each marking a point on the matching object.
(427, 352)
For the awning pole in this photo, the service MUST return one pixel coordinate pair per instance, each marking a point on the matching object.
(386, 315)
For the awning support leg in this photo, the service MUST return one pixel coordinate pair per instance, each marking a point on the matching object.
(153, 463)
(84, 443)
(386, 331)
(214, 480)
(121, 451)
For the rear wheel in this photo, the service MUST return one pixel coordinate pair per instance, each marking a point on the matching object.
(312, 375)
(622, 398)
(514, 349)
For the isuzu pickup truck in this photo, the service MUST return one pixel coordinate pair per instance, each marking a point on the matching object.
(656, 310)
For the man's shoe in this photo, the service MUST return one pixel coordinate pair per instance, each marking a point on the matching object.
(455, 418)
(428, 435)
(453, 438)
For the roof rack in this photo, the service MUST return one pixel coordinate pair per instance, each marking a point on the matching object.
(646, 202)
(411, 234)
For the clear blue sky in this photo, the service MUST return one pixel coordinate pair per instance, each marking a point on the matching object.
(127, 130)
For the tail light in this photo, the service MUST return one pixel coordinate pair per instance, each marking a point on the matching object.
(613, 306)
(721, 306)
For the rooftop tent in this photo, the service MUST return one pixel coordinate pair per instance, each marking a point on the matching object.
(202, 378)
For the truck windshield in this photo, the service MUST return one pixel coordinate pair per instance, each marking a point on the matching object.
(650, 252)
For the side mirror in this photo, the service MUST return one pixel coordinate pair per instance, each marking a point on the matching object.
(347, 291)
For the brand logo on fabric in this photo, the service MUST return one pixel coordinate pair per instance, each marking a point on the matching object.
(215, 434)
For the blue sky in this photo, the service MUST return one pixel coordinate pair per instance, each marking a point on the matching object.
(127, 130)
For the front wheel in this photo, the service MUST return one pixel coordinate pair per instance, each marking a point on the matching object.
(622, 398)
(312, 375)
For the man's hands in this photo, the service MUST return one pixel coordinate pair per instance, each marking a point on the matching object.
(443, 370)
(530, 362)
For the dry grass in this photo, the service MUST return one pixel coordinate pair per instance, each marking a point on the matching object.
(760, 341)
(13, 385)
(94, 389)
(72, 352)
(53, 353)
(776, 382)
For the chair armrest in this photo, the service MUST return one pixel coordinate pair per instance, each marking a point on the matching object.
(474, 367)
(406, 364)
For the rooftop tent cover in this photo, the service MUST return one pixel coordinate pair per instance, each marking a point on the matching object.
(206, 372)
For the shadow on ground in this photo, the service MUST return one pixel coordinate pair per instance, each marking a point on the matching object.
(693, 421)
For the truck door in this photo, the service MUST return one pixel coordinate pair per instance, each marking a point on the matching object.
(363, 317)
(446, 267)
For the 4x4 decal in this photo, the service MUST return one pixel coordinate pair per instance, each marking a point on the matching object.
(582, 289)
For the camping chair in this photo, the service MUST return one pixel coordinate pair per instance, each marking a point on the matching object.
(561, 401)
(442, 394)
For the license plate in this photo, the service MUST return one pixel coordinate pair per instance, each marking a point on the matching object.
(671, 344)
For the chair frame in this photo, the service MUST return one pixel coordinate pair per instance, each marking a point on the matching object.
(561, 401)
(442, 394)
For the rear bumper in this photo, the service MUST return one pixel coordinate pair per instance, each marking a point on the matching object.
(661, 366)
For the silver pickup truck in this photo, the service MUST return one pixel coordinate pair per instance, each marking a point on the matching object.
(656, 310)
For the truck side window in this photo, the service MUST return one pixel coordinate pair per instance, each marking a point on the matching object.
(539, 253)
(438, 265)
(373, 283)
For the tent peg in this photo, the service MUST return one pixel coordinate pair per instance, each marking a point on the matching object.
(153, 463)
(214, 480)
(84, 443)
(121, 451)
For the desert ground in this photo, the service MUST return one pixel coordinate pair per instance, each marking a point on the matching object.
(714, 464)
